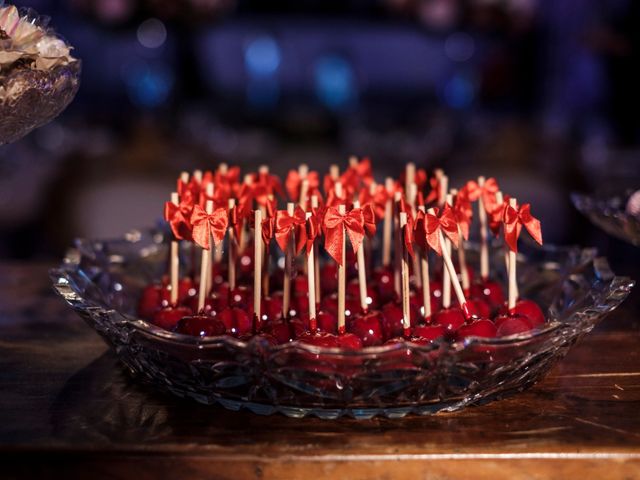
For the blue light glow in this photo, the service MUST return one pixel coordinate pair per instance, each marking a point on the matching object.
(262, 56)
(459, 92)
(335, 82)
(148, 84)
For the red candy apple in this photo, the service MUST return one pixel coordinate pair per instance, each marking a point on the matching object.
(478, 328)
(200, 326)
(450, 318)
(238, 322)
(511, 325)
(168, 317)
(367, 327)
(427, 332)
(489, 291)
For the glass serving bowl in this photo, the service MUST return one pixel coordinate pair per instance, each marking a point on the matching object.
(30, 98)
(102, 281)
(608, 213)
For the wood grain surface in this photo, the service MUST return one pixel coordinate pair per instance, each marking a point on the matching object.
(69, 410)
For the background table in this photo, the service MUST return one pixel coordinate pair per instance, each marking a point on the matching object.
(68, 409)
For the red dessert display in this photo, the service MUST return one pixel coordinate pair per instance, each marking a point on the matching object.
(329, 292)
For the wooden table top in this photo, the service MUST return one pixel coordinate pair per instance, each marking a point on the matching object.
(69, 410)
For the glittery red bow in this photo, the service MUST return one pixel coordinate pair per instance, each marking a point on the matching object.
(286, 224)
(473, 191)
(369, 217)
(270, 184)
(178, 217)
(358, 175)
(496, 216)
(514, 220)
(434, 193)
(463, 213)
(335, 225)
(206, 225)
(293, 184)
(445, 223)
(333, 199)
(312, 231)
(236, 220)
(420, 179)
(377, 199)
(408, 234)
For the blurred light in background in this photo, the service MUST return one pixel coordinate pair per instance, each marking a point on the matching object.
(335, 82)
(152, 33)
(149, 83)
(459, 91)
(459, 46)
(262, 56)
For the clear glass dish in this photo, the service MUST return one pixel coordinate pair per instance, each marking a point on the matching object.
(29, 97)
(102, 281)
(608, 213)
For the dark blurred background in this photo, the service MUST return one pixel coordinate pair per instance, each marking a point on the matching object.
(541, 94)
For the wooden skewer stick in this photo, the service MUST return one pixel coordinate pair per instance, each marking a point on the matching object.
(316, 257)
(409, 181)
(304, 192)
(197, 176)
(452, 272)
(231, 255)
(184, 177)
(484, 247)
(223, 168)
(209, 192)
(446, 274)
(388, 225)
(513, 282)
(499, 202)
(462, 257)
(426, 288)
(397, 246)
(175, 260)
(342, 279)
(412, 190)
(338, 189)
(334, 172)
(404, 269)
(303, 170)
(205, 265)
(257, 267)
(311, 280)
(353, 161)
(444, 189)
(288, 268)
(362, 273)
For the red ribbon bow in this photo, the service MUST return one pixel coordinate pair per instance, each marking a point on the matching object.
(268, 226)
(358, 175)
(335, 225)
(369, 217)
(445, 223)
(434, 193)
(286, 224)
(408, 234)
(377, 199)
(293, 184)
(312, 231)
(206, 225)
(496, 216)
(237, 217)
(473, 191)
(178, 217)
(463, 213)
(515, 219)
